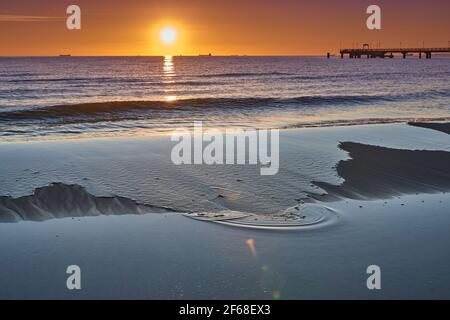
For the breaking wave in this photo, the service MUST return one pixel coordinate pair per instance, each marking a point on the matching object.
(130, 109)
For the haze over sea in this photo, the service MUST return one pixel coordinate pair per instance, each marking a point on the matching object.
(55, 97)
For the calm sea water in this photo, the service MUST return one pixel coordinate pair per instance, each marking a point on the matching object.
(103, 96)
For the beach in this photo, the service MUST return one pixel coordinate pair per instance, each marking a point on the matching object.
(385, 188)
(88, 178)
(225, 159)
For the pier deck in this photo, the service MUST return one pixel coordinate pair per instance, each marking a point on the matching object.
(389, 52)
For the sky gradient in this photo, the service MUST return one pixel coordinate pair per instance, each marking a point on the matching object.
(251, 27)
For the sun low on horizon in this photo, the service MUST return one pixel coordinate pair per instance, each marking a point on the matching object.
(168, 35)
(167, 38)
(173, 27)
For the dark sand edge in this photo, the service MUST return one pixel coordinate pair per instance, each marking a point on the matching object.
(59, 200)
(438, 126)
(375, 172)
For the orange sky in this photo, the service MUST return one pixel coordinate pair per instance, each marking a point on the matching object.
(251, 27)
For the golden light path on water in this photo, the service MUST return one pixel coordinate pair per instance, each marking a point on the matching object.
(168, 74)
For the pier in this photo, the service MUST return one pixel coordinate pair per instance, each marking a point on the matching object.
(389, 52)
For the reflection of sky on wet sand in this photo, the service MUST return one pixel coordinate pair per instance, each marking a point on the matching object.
(328, 263)
(311, 264)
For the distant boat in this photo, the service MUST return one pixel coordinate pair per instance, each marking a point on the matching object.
(65, 55)
(205, 55)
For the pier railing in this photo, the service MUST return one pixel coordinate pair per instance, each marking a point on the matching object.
(388, 52)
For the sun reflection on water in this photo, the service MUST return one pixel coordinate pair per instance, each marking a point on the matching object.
(168, 67)
(170, 98)
(168, 74)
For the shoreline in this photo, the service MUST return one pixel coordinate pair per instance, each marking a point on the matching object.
(434, 123)
(396, 168)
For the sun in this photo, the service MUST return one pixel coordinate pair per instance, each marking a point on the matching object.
(168, 35)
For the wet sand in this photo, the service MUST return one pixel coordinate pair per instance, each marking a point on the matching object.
(168, 256)
(143, 255)
(375, 172)
(443, 127)
(60, 200)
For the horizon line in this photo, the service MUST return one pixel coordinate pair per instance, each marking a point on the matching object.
(182, 55)
(165, 55)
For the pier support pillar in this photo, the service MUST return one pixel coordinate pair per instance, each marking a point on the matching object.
(342, 56)
(404, 55)
(420, 55)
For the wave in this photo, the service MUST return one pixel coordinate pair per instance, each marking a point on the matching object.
(102, 81)
(364, 121)
(244, 74)
(130, 109)
(19, 74)
(59, 200)
(151, 79)
(363, 75)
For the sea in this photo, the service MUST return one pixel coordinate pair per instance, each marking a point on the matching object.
(84, 97)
